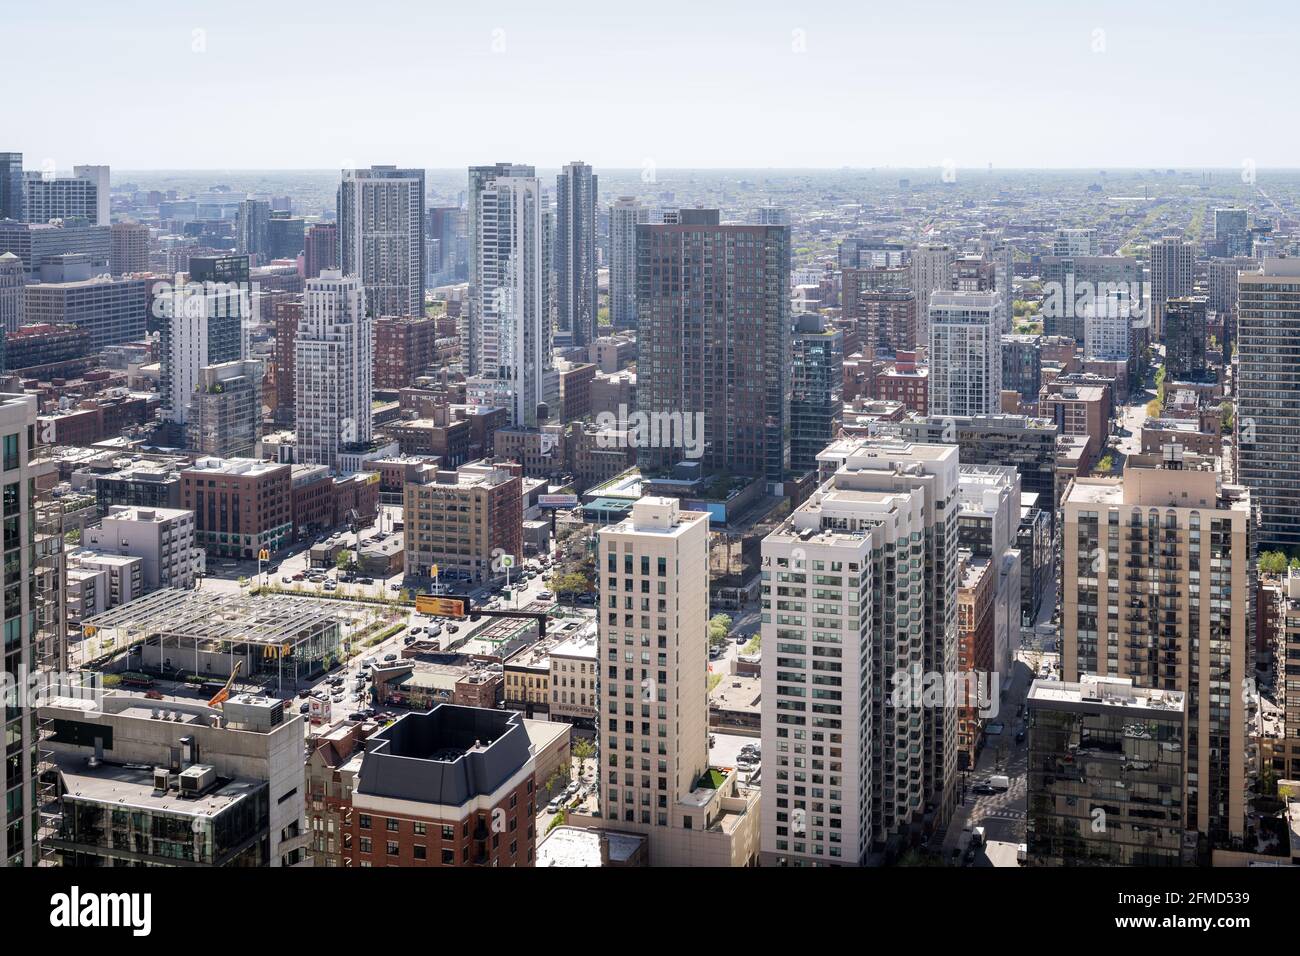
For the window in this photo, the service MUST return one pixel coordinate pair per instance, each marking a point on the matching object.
(421, 852)
(420, 829)
(392, 825)
(392, 848)
(363, 821)
(448, 858)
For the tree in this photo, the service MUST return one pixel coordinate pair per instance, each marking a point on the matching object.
(719, 627)
(343, 559)
(1273, 562)
(1106, 465)
(583, 750)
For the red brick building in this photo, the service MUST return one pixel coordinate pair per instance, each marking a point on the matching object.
(905, 382)
(404, 348)
(450, 787)
(240, 505)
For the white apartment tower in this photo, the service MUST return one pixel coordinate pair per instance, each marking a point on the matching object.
(515, 369)
(381, 236)
(203, 323)
(965, 353)
(624, 215)
(333, 368)
(859, 607)
(469, 325)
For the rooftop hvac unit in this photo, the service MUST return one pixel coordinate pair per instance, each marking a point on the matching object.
(161, 779)
(197, 780)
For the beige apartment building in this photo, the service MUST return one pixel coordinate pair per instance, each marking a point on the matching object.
(1158, 585)
(655, 777)
(462, 519)
(574, 678)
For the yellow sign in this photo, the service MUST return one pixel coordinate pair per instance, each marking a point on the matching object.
(264, 555)
(439, 606)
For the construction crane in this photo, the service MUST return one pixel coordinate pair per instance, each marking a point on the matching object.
(224, 693)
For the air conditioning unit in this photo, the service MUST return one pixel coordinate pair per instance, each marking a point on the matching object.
(161, 779)
(197, 780)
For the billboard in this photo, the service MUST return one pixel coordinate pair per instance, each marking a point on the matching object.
(439, 606)
(557, 501)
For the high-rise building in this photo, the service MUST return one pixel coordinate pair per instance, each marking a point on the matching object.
(444, 231)
(1185, 337)
(1108, 327)
(576, 189)
(99, 175)
(381, 236)
(1158, 584)
(202, 324)
(288, 316)
(1070, 283)
(471, 317)
(11, 187)
(1232, 228)
(128, 248)
(860, 605)
(723, 359)
(965, 353)
(61, 197)
(321, 249)
(988, 522)
(887, 319)
(1107, 785)
(285, 235)
(35, 625)
(225, 414)
(514, 366)
(1022, 366)
(1171, 261)
(817, 388)
(333, 368)
(1267, 416)
(13, 280)
(655, 778)
(252, 228)
(932, 264)
(624, 216)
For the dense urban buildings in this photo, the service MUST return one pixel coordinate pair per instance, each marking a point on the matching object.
(965, 353)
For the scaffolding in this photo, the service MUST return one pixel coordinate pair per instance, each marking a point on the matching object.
(280, 639)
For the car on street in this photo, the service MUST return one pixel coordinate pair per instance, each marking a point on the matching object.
(554, 805)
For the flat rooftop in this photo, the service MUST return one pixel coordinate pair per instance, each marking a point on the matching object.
(132, 786)
(575, 846)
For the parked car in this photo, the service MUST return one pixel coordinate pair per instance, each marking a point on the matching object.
(554, 805)
(390, 657)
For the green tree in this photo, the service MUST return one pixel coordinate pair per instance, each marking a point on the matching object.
(343, 559)
(719, 627)
(1273, 562)
(1106, 465)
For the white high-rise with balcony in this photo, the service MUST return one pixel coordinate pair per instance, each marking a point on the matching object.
(515, 369)
(965, 353)
(333, 368)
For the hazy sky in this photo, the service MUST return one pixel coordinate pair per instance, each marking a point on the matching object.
(323, 84)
